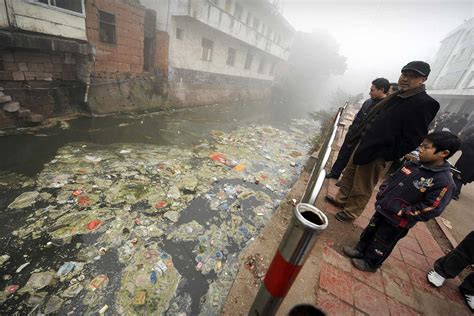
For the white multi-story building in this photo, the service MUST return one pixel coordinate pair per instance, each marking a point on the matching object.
(222, 50)
(451, 81)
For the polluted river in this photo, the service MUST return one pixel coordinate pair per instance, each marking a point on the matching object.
(140, 214)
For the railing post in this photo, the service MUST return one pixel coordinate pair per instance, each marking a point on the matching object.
(300, 236)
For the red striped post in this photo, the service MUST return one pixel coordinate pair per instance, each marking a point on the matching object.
(292, 252)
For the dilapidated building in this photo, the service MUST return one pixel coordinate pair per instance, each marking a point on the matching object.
(222, 50)
(44, 59)
(123, 76)
(452, 79)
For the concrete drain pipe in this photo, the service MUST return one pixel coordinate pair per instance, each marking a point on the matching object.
(292, 252)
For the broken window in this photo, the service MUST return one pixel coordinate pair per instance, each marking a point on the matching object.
(107, 27)
(248, 60)
(231, 56)
(179, 33)
(207, 48)
(70, 5)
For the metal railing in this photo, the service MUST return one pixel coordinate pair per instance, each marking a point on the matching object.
(300, 236)
(318, 173)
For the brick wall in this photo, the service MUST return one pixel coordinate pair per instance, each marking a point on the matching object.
(125, 57)
(161, 52)
(21, 65)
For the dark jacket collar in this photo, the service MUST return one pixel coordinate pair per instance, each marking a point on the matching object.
(412, 92)
(443, 167)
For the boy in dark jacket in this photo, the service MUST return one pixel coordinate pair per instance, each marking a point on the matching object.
(418, 191)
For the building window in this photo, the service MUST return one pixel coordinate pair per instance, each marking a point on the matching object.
(107, 27)
(231, 53)
(272, 69)
(69, 5)
(261, 66)
(256, 23)
(207, 48)
(228, 5)
(238, 11)
(249, 18)
(248, 61)
(179, 33)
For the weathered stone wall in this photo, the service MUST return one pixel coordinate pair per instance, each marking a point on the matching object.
(138, 94)
(195, 88)
(21, 65)
(49, 84)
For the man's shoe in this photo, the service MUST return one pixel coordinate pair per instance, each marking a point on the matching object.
(344, 217)
(352, 252)
(435, 279)
(469, 299)
(331, 175)
(333, 201)
(362, 265)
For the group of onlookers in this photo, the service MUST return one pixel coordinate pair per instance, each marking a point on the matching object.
(389, 125)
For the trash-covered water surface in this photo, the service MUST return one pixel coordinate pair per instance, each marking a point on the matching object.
(144, 229)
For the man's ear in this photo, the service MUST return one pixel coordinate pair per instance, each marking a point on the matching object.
(445, 153)
(424, 79)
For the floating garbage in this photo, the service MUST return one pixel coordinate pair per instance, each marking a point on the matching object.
(24, 265)
(122, 205)
(3, 259)
(38, 281)
(66, 268)
(24, 200)
(98, 282)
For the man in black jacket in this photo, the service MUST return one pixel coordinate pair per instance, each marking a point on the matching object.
(378, 91)
(393, 128)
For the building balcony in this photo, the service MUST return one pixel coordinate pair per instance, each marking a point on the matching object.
(223, 21)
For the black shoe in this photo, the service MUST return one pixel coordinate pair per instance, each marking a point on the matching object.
(331, 175)
(362, 265)
(333, 201)
(352, 252)
(456, 197)
(344, 217)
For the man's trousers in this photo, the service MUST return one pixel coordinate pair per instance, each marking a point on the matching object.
(357, 184)
(457, 260)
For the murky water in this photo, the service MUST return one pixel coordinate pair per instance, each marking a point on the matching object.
(150, 211)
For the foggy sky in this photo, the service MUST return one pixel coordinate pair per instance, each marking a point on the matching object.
(379, 36)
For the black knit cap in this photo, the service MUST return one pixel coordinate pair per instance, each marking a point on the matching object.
(419, 66)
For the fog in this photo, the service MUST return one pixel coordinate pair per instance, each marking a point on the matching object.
(378, 37)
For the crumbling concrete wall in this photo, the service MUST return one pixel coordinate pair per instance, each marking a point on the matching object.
(128, 95)
(195, 88)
